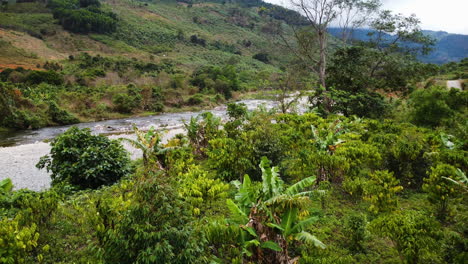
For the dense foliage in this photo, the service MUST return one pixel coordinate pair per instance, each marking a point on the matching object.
(84, 160)
(83, 16)
(343, 185)
(373, 170)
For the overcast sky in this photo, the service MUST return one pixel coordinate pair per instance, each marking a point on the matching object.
(446, 15)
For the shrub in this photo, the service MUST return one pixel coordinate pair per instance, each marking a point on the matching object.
(85, 160)
(441, 191)
(152, 99)
(223, 80)
(50, 77)
(24, 216)
(431, 107)
(356, 228)
(200, 132)
(413, 234)
(197, 40)
(125, 103)
(60, 116)
(362, 104)
(263, 57)
(16, 241)
(231, 158)
(155, 229)
(200, 189)
(195, 99)
(23, 119)
(86, 3)
(84, 16)
(381, 191)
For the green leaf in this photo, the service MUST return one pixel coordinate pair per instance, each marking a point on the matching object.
(271, 245)
(301, 185)
(275, 226)
(6, 185)
(253, 242)
(288, 219)
(245, 194)
(303, 224)
(306, 237)
(238, 215)
(251, 231)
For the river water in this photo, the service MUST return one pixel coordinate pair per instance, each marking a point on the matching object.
(21, 150)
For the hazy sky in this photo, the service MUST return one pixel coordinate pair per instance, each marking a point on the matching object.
(446, 15)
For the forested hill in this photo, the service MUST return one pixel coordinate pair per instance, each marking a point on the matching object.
(190, 34)
(448, 47)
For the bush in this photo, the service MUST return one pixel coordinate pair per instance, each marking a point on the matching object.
(441, 190)
(84, 16)
(16, 241)
(155, 229)
(195, 99)
(60, 116)
(24, 216)
(197, 40)
(38, 77)
(263, 57)
(223, 80)
(381, 192)
(356, 228)
(431, 107)
(23, 119)
(413, 234)
(85, 160)
(362, 104)
(125, 103)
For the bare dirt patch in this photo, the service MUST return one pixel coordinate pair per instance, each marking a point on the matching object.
(4, 66)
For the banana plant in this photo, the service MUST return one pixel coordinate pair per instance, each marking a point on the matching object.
(269, 217)
(326, 143)
(150, 144)
(330, 140)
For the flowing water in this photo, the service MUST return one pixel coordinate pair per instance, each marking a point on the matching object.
(21, 150)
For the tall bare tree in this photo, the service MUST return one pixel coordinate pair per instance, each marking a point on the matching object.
(311, 46)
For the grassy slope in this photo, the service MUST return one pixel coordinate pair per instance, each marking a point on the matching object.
(145, 29)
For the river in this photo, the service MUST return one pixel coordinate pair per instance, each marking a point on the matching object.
(21, 150)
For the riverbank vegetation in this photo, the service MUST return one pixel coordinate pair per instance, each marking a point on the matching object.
(261, 187)
(374, 171)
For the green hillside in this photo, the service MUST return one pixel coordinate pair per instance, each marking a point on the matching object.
(159, 29)
(132, 57)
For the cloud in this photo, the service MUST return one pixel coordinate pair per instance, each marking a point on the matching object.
(447, 15)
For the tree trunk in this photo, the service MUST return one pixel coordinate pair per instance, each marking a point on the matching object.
(323, 58)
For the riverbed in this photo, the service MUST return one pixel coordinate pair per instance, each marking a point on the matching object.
(20, 151)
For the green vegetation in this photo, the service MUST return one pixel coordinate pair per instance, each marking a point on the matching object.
(342, 189)
(83, 16)
(373, 172)
(85, 161)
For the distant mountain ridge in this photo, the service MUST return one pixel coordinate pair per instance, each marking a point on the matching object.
(449, 47)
